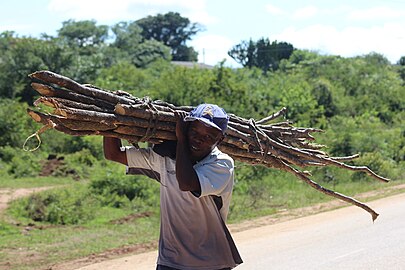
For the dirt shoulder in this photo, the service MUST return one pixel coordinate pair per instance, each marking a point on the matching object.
(93, 261)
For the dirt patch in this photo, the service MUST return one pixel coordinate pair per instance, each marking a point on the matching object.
(7, 195)
(131, 217)
(51, 165)
(55, 166)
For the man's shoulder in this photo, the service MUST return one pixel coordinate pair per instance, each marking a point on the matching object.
(217, 156)
(221, 154)
(140, 155)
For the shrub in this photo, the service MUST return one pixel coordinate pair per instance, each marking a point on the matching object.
(117, 189)
(80, 163)
(63, 206)
(377, 163)
(19, 162)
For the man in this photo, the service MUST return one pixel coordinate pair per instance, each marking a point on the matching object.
(195, 191)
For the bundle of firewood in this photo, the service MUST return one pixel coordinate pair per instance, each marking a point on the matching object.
(82, 109)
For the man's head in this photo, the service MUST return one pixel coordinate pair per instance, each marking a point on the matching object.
(210, 114)
(207, 129)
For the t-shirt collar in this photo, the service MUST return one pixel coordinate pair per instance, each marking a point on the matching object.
(211, 155)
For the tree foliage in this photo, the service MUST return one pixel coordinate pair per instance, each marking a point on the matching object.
(130, 45)
(172, 30)
(263, 54)
(83, 33)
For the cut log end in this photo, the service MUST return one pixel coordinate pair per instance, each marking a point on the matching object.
(46, 101)
(44, 90)
(119, 109)
(34, 115)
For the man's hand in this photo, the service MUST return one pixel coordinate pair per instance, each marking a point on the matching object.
(181, 126)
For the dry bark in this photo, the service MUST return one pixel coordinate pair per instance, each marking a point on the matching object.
(81, 110)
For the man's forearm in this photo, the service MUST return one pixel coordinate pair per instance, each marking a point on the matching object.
(185, 173)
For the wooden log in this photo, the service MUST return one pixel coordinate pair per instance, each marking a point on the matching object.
(45, 119)
(62, 81)
(273, 116)
(145, 134)
(142, 111)
(49, 91)
(329, 192)
(84, 115)
(69, 123)
(55, 102)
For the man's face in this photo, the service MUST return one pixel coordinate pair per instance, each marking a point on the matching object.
(202, 139)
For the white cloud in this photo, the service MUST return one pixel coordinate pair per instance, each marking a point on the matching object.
(107, 11)
(212, 49)
(376, 13)
(388, 39)
(273, 10)
(200, 16)
(305, 13)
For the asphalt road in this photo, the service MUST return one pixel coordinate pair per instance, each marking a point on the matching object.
(341, 239)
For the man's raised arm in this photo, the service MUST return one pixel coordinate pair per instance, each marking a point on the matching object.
(112, 150)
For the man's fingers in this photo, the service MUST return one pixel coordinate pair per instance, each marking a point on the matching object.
(180, 114)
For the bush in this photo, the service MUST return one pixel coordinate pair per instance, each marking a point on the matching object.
(81, 163)
(72, 205)
(116, 189)
(19, 163)
(377, 163)
(15, 124)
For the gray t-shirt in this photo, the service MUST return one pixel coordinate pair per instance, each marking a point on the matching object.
(193, 234)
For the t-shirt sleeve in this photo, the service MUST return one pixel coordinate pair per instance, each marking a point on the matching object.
(215, 177)
(143, 161)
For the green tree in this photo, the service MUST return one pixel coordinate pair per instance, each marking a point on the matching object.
(124, 76)
(129, 44)
(323, 94)
(15, 125)
(20, 56)
(87, 42)
(299, 56)
(244, 53)
(401, 69)
(263, 54)
(401, 61)
(172, 30)
(83, 33)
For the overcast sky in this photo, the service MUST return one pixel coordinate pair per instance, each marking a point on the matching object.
(336, 27)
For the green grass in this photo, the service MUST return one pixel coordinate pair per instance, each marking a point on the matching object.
(23, 247)
(32, 182)
(52, 245)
